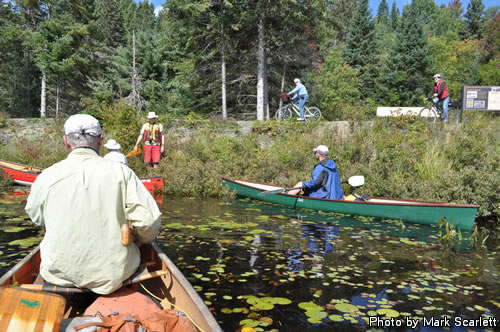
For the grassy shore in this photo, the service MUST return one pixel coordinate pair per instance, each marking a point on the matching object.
(399, 157)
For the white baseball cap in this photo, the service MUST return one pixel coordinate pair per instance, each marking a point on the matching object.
(111, 144)
(437, 75)
(322, 149)
(82, 124)
(152, 115)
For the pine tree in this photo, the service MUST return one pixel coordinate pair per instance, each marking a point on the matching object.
(383, 12)
(109, 22)
(360, 50)
(475, 19)
(408, 70)
(394, 16)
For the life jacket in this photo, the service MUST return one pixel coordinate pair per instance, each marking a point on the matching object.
(152, 132)
(437, 88)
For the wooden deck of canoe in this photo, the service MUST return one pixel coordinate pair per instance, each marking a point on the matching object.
(170, 285)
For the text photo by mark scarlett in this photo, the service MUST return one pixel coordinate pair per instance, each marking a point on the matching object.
(413, 323)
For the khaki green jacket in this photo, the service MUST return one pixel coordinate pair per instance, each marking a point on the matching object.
(82, 201)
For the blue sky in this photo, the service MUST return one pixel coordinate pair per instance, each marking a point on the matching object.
(374, 3)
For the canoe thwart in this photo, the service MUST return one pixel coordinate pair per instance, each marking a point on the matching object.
(141, 274)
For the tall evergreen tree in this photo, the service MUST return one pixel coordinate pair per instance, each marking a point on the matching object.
(475, 20)
(383, 12)
(360, 50)
(109, 22)
(64, 49)
(394, 16)
(408, 71)
(455, 6)
(344, 10)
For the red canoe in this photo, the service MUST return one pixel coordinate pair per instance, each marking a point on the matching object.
(26, 175)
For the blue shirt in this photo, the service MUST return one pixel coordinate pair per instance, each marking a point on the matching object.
(300, 89)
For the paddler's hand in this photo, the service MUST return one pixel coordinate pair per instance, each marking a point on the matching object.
(162, 149)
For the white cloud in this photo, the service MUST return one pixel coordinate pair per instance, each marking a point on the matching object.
(158, 10)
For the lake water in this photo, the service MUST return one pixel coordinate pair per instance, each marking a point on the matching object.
(273, 268)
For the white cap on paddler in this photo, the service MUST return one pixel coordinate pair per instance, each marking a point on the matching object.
(321, 149)
(82, 124)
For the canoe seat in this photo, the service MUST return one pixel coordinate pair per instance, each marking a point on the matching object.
(141, 274)
(28, 310)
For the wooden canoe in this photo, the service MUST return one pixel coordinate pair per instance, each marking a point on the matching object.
(171, 284)
(25, 175)
(419, 212)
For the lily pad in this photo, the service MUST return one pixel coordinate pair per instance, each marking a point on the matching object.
(28, 242)
(262, 306)
(267, 320)
(336, 318)
(388, 313)
(249, 323)
(346, 307)
(309, 306)
(14, 230)
(316, 314)
(281, 300)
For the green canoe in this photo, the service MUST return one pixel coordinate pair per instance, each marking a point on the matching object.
(419, 212)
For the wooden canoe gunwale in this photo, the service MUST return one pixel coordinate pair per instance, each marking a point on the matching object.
(20, 167)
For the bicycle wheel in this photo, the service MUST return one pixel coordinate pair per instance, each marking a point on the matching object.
(312, 113)
(284, 113)
(428, 114)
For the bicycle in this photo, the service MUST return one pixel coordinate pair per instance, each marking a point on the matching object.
(432, 112)
(286, 112)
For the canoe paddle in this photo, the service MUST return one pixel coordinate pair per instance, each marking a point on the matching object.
(134, 152)
(277, 191)
(354, 181)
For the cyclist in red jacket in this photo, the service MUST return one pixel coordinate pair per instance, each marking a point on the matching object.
(440, 93)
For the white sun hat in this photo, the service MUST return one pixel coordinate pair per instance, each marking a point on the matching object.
(112, 145)
(82, 124)
(152, 115)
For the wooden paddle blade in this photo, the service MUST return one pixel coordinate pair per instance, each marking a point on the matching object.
(134, 152)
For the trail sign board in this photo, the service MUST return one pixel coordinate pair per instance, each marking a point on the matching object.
(481, 98)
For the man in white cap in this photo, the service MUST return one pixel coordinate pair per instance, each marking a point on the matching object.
(325, 179)
(114, 153)
(440, 93)
(82, 201)
(154, 140)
